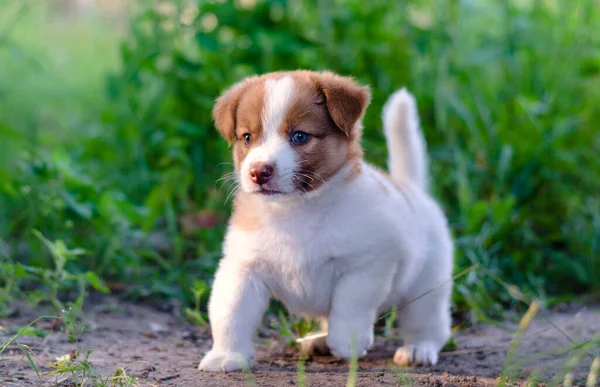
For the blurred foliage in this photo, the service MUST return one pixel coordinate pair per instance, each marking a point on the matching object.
(120, 159)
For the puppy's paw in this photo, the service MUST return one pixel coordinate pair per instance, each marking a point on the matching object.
(225, 362)
(425, 354)
(343, 341)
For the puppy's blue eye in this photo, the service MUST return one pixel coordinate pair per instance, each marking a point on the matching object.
(299, 137)
(247, 138)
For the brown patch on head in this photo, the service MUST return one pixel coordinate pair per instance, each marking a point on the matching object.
(320, 100)
(226, 107)
(238, 112)
(346, 100)
(249, 121)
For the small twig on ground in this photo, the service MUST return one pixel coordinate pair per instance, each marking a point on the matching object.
(165, 378)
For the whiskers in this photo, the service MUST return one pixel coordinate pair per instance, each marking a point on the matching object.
(304, 178)
(310, 174)
(232, 184)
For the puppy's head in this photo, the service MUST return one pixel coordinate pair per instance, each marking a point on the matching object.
(291, 131)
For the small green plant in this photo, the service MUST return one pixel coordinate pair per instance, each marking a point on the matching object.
(83, 373)
(73, 325)
(195, 315)
(291, 328)
(8, 279)
(391, 320)
(450, 346)
(74, 364)
(59, 278)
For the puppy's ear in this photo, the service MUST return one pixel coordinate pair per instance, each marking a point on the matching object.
(224, 111)
(346, 100)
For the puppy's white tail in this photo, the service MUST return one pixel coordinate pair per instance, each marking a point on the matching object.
(406, 146)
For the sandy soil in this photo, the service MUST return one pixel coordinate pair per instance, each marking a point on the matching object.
(162, 350)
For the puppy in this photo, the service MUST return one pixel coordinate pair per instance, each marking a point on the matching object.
(318, 228)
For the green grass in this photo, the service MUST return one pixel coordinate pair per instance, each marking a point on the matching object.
(109, 158)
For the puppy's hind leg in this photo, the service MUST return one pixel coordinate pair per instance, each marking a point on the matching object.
(425, 327)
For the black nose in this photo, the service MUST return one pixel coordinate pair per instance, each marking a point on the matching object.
(261, 173)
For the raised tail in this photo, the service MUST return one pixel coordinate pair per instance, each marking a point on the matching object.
(407, 161)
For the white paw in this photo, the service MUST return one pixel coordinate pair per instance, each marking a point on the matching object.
(225, 362)
(420, 354)
(344, 342)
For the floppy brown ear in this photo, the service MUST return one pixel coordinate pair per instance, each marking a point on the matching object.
(346, 100)
(224, 111)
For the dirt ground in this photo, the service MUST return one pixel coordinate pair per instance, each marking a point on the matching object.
(162, 350)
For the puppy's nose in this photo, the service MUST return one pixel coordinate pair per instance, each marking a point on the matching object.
(261, 173)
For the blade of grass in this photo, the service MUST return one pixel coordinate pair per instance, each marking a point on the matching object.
(559, 351)
(31, 363)
(301, 370)
(353, 369)
(518, 295)
(592, 379)
(581, 351)
(250, 380)
(523, 325)
(8, 342)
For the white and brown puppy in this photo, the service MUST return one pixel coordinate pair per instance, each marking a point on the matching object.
(318, 228)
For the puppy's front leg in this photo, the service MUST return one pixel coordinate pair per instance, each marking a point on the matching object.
(236, 306)
(353, 310)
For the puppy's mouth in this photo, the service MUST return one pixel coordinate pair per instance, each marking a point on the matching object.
(269, 192)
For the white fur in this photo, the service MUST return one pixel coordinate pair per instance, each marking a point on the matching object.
(407, 155)
(278, 96)
(354, 250)
(275, 149)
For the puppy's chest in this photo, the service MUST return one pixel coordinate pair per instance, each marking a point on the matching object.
(299, 261)
(300, 267)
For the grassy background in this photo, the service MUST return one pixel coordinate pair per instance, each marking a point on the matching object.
(108, 156)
